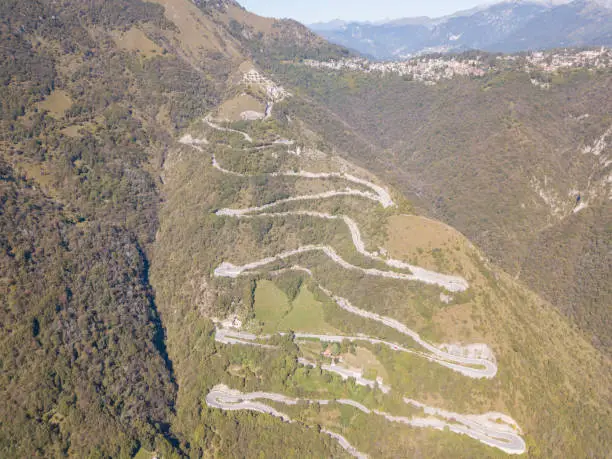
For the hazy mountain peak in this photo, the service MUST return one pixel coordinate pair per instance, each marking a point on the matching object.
(513, 25)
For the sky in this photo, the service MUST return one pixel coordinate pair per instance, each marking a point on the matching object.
(311, 11)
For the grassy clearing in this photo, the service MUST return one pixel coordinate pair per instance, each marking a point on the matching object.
(44, 175)
(144, 454)
(306, 315)
(196, 32)
(275, 312)
(271, 305)
(310, 350)
(430, 244)
(136, 40)
(56, 103)
(72, 131)
(365, 359)
(233, 108)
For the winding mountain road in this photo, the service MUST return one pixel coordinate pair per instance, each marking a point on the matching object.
(463, 365)
(493, 429)
(227, 269)
(449, 282)
(379, 193)
(224, 398)
(475, 361)
(208, 121)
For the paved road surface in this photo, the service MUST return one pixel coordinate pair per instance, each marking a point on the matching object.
(482, 428)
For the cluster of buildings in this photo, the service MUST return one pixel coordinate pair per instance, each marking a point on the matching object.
(552, 61)
(430, 70)
(425, 69)
(274, 92)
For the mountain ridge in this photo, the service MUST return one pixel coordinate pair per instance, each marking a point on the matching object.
(506, 26)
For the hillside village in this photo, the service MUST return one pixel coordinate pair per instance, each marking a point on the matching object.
(427, 70)
(432, 69)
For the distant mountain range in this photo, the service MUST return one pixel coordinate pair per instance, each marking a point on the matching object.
(511, 26)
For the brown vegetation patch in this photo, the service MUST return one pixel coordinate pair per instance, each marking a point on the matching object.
(39, 173)
(457, 323)
(260, 24)
(196, 32)
(136, 40)
(56, 103)
(72, 131)
(408, 233)
(430, 244)
(232, 109)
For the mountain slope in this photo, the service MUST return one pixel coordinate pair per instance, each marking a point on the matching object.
(265, 231)
(542, 159)
(150, 166)
(487, 28)
(84, 121)
(580, 23)
(92, 96)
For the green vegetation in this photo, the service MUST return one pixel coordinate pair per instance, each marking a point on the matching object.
(298, 311)
(82, 336)
(271, 305)
(85, 371)
(109, 241)
(306, 315)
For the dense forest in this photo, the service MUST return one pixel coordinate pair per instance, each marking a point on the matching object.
(84, 366)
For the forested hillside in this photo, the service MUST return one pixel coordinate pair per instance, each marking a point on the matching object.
(92, 96)
(208, 250)
(84, 369)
